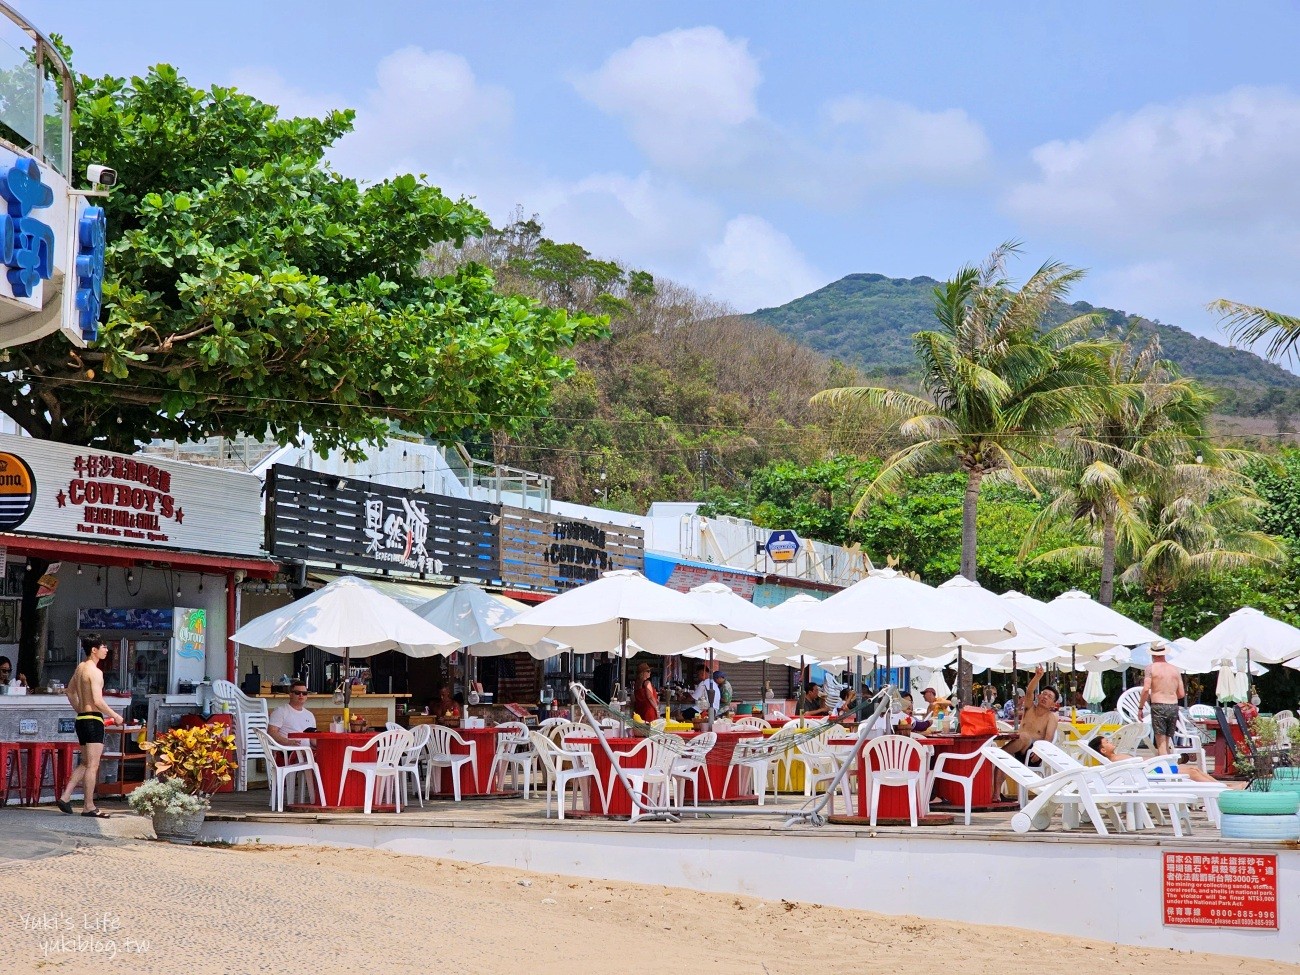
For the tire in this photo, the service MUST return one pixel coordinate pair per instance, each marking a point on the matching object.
(1238, 827)
(1285, 785)
(1241, 803)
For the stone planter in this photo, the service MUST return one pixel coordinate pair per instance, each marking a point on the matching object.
(179, 827)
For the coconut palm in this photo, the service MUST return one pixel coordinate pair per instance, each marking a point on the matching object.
(1251, 324)
(998, 383)
(1155, 429)
(1196, 529)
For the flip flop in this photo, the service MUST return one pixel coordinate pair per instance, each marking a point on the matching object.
(96, 814)
(64, 807)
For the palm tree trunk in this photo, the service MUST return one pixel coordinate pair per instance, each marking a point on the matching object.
(969, 509)
(1107, 594)
(1158, 609)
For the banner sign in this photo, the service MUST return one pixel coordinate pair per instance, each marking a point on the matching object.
(1221, 890)
(62, 491)
(353, 523)
(540, 550)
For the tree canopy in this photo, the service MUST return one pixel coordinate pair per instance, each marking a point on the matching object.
(250, 289)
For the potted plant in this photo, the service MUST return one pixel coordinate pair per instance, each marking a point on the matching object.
(190, 764)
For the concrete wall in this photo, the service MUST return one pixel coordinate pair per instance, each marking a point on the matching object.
(1110, 891)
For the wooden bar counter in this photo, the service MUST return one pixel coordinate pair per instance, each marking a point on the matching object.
(377, 709)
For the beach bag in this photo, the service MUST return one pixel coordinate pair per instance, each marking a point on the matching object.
(978, 721)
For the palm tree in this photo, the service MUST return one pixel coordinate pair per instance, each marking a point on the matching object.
(1196, 530)
(998, 384)
(1155, 428)
(1251, 324)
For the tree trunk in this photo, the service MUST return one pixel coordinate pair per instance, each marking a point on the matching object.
(1158, 610)
(969, 509)
(1107, 594)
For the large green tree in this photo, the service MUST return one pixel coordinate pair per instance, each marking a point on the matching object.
(250, 289)
(998, 383)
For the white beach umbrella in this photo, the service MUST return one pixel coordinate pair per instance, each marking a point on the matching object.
(1262, 638)
(1093, 627)
(900, 614)
(348, 618)
(738, 613)
(471, 615)
(938, 684)
(620, 606)
(1093, 692)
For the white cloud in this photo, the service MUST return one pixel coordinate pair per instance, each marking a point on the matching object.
(1183, 202)
(269, 86)
(757, 266)
(688, 99)
(426, 110)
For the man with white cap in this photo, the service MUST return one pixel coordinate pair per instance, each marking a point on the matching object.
(1163, 686)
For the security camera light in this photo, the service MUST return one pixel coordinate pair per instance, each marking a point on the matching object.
(101, 175)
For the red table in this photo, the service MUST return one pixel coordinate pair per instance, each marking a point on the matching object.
(620, 802)
(482, 742)
(982, 795)
(715, 767)
(329, 747)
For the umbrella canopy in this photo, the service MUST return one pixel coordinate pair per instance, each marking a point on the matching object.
(471, 615)
(1092, 689)
(938, 684)
(738, 613)
(1093, 627)
(1265, 639)
(621, 606)
(901, 614)
(1031, 632)
(347, 616)
(1226, 690)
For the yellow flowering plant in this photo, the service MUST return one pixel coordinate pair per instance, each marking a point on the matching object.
(199, 758)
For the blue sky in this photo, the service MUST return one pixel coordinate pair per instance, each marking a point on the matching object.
(757, 151)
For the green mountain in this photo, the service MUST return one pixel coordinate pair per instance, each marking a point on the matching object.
(867, 320)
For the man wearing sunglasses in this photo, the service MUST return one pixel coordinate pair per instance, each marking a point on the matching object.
(292, 718)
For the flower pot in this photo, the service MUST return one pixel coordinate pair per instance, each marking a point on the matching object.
(178, 827)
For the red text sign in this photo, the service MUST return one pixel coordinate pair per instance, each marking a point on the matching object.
(1221, 890)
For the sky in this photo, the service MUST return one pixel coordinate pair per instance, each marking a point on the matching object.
(758, 151)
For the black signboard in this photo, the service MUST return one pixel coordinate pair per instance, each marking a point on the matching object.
(350, 522)
(540, 550)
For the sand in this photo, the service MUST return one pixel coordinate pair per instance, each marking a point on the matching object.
(154, 908)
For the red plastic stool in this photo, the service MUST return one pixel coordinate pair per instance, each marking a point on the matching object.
(40, 755)
(11, 767)
(68, 752)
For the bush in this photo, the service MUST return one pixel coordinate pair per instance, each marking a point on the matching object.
(165, 796)
(198, 758)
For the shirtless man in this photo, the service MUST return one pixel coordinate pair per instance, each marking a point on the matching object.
(1163, 686)
(86, 695)
(1039, 721)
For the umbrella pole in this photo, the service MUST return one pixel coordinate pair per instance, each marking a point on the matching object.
(1073, 680)
(622, 670)
(347, 688)
(889, 652)
(1015, 686)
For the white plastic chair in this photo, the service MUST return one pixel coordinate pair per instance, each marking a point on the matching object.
(410, 763)
(1201, 712)
(816, 758)
(550, 723)
(389, 747)
(840, 754)
(691, 762)
(751, 722)
(652, 783)
(567, 729)
(757, 757)
(1127, 706)
(514, 751)
(1130, 737)
(562, 766)
(251, 715)
(965, 779)
(297, 760)
(1187, 740)
(441, 756)
(1042, 794)
(892, 756)
(723, 724)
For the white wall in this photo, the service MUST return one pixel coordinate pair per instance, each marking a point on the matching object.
(413, 466)
(1089, 888)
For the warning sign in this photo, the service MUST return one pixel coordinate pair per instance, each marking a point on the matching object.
(1221, 890)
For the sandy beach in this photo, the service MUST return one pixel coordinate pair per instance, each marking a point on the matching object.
(152, 908)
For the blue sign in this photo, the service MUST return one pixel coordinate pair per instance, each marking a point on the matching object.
(26, 244)
(91, 233)
(783, 545)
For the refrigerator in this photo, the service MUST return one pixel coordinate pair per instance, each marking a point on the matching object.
(151, 651)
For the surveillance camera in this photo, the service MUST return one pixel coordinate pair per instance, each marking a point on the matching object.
(101, 175)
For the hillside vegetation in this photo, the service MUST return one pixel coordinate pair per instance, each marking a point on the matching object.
(867, 320)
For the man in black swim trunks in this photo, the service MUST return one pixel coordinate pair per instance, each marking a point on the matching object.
(86, 695)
